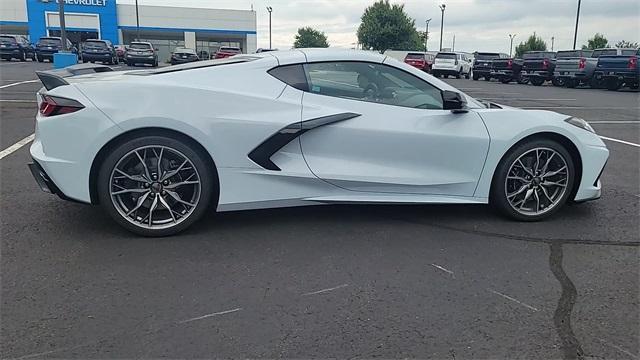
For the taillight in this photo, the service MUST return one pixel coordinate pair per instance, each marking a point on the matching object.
(582, 64)
(545, 64)
(509, 64)
(633, 63)
(55, 105)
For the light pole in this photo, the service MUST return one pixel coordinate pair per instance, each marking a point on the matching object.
(63, 30)
(553, 40)
(137, 23)
(511, 37)
(441, 23)
(575, 36)
(426, 36)
(269, 9)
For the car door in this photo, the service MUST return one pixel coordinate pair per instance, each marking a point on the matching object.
(376, 128)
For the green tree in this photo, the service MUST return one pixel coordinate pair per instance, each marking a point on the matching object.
(623, 44)
(308, 37)
(385, 26)
(533, 43)
(598, 41)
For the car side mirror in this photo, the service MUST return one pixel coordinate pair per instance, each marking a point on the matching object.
(453, 101)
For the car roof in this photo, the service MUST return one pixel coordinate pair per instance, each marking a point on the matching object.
(140, 42)
(51, 37)
(184, 49)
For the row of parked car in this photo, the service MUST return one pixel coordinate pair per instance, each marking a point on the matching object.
(601, 68)
(98, 50)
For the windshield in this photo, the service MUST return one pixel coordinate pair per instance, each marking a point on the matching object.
(230, 50)
(414, 57)
(569, 54)
(50, 41)
(487, 56)
(7, 40)
(446, 56)
(538, 55)
(629, 52)
(140, 46)
(185, 51)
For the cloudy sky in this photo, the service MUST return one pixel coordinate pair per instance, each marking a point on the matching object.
(477, 24)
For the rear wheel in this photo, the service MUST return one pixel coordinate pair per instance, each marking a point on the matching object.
(533, 181)
(613, 84)
(505, 80)
(156, 185)
(559, 82)
(23, 56)
(459, 74)
(476, 77)
(570, 83)
(537, 81)
(468, 75)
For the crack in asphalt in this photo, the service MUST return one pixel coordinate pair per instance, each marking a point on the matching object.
(571, 347)
(550, 241)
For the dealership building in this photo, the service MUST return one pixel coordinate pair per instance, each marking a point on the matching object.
(167, 27)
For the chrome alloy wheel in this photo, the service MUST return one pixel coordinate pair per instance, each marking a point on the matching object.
(537, 181)
(155, 187)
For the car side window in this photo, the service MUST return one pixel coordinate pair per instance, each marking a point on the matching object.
(377, 83)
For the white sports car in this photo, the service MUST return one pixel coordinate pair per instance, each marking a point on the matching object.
(157, 147)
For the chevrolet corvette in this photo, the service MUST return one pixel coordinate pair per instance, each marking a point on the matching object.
(156, 148)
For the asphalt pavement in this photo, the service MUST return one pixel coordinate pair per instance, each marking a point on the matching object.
(445, 282)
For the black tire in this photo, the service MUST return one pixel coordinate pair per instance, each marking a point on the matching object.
(537, 81)
(498, 196)
(40, 59)
(523, 80)
(459, 74)
(23, 56)
(476, 77)
(595, 83)
(505, 80)
(487, 78)
(129, 63)
(613, 84)
(559, 82)
(571, 83)
(468, 75)
(206, 172)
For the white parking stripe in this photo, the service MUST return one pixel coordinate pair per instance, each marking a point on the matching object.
(13, 148)
(620, 141)
(18, 83)
(209, 315)
(325, 290)
(613, 122)
(514, 300)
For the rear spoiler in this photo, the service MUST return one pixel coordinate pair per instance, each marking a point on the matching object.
(51, 79)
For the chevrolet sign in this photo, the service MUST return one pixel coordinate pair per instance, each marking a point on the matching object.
(81, 2)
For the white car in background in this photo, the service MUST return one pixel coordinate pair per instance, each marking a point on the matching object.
(452, 64)
(157, 147)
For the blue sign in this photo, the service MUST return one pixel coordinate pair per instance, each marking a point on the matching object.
(104, 9)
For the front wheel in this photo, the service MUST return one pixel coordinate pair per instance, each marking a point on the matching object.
(156, 185)
(476, 77)
(533, 180)
(613, 84)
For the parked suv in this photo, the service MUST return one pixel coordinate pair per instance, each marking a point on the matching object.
(141, 53)
(227, 51)
(450, 63)
(482, 64)
(99, 50)
(615, 71)
(420, 60)
(49, 45)
(538, 66)
(16, 47)
(183, 55)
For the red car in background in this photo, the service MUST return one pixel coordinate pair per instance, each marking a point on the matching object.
(421, 61)
(227, 51)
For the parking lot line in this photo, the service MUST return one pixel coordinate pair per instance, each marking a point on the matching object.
(8, 151)
(620, 141)
(613, 121)
(18, 83)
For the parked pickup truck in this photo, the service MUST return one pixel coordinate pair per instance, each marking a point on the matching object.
(482, 64)
(574, 67)
(538, 66)
(615, 71)
(507, 70)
